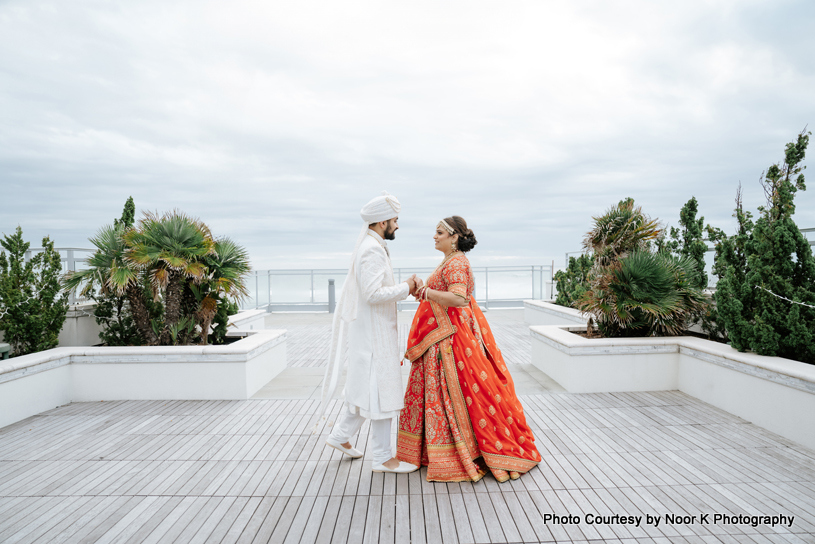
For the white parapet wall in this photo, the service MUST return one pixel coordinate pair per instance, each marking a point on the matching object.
(542, 312)
(771, 392)
(31, 384)
(248, 320)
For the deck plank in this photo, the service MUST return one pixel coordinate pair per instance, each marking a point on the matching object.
(231, 471)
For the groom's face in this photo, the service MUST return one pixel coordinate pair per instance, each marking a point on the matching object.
(391, 228)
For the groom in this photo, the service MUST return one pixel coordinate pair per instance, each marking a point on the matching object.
(365, 333)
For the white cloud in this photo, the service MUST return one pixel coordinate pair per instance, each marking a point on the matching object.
(275, 121)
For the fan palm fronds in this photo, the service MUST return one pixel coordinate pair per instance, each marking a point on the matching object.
(622, 229)
(646, 294)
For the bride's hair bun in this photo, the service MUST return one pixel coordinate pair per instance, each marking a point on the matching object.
(466, 237)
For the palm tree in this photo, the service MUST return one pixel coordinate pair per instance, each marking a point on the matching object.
(227, 270)
(171, 249)
(621, 230)
(110, 272)
(647, 294)
(633, 292)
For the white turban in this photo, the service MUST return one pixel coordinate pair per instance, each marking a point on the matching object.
(381, 208)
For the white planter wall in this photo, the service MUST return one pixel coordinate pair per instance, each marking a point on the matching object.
(41, 381)
(248, 320)
(774, 393)
(539, 312)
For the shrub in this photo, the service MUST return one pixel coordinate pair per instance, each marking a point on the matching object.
(688, 241)
(113, 312)
(766, 295)
(32, 309)
(171, 260)
(632, 291)
(574, 281)
(648, 294)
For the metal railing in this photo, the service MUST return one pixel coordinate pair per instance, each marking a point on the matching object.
(308, 289)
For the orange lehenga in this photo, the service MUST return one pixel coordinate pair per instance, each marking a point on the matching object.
(461, 414)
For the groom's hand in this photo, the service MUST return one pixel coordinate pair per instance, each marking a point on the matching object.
(411, 281)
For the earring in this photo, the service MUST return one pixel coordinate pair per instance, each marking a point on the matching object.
(455, 247)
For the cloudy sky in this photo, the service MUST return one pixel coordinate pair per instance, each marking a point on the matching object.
(274, 122)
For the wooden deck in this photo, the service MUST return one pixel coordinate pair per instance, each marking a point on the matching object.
(252, 471)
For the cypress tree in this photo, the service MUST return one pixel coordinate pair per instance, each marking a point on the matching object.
(767, 294)
(32, 306)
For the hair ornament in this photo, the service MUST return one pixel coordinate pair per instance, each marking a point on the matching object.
(450, 230)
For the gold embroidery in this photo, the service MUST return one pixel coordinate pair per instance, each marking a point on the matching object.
(443, 329)
(475, 387)
(506, 431)
(498, 445)
(483, 375)
(522, 450)
(431, 320)
(460, 365)
(492, 410)
(497, 398)
(510, 420)
(521, 439)
(482, 423)
(469, 352)
(469, 401)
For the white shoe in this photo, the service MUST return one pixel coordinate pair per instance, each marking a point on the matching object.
(353, 453)
(403, 468)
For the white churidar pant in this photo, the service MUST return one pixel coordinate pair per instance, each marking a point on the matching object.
(380, 447)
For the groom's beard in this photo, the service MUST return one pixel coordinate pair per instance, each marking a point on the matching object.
(390, 234)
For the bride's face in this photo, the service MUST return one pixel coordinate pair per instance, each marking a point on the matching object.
(444, 242)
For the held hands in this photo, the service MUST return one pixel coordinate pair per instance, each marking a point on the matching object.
(418, 293)
(415, 284)
(411, 281)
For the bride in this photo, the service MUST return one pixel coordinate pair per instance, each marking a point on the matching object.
(461, 415)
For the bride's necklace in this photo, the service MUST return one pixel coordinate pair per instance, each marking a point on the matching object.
(450, 256)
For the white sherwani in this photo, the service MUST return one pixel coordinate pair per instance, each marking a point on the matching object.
(373, 387)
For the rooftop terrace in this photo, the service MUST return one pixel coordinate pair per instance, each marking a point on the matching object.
(252, 471)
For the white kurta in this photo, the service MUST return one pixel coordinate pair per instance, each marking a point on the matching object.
(373, 386)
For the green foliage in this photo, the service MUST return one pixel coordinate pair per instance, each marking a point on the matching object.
(221, 321)
(648, 294)
(174, 275)
(632, 291)
(112, 311)
(128, 215)
(621, 230)
(767, 270)
(32, 309)
(574, 281)
(688, 240)
(171, 249)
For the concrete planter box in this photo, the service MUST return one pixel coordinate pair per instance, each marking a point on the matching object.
(34, 383)
(247, 320)
(775, 393)
(540, 312)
